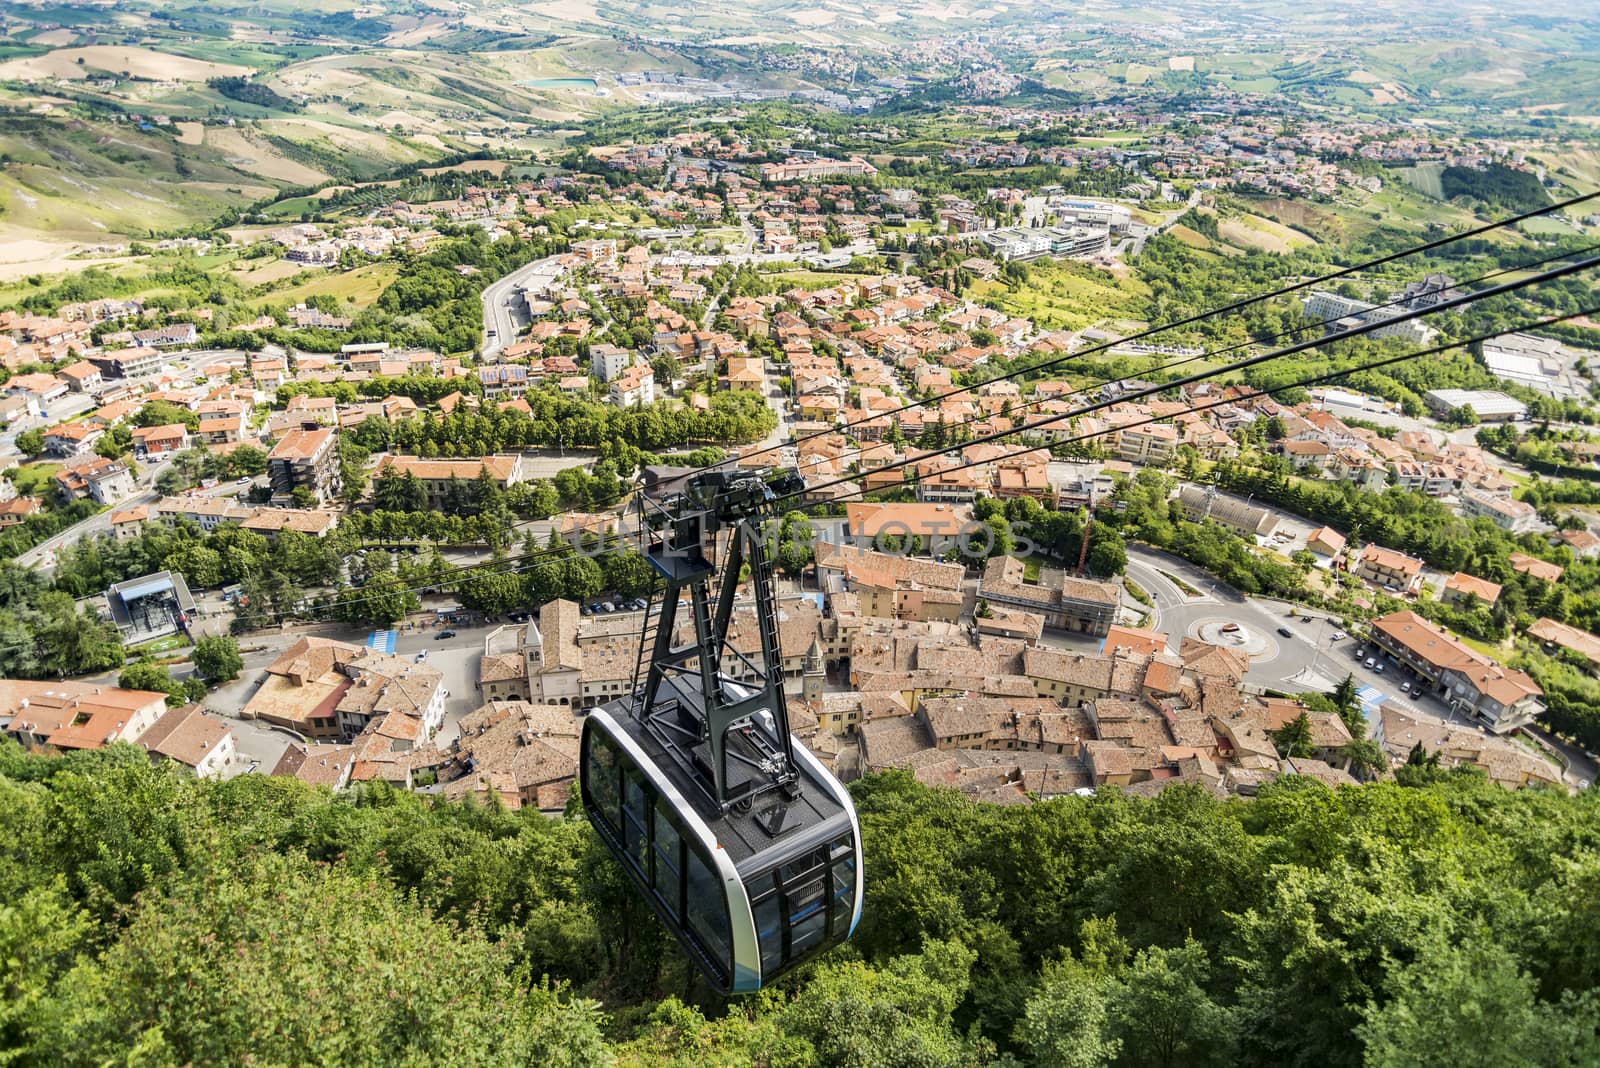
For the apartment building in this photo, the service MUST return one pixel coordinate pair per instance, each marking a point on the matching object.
(801, 170)
(1155, 444)
(308, 458)
(71, 439)
(607, 362)
(330, 690)
(925, 529)
(155, 441)
(222, 428)
(166, 337)
(892, 587)
(1083, 606)
(1505, 512)
(636, 385)
(1464, 589)
(76, 715)
(1469, 682)
(1387, 568)
(133, 362)
(95, 477)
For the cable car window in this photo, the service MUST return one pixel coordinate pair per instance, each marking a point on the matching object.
(602, 779)
(635, 809)
(706, 909)
(769, 930)
(844, 892)
(802, 866)
(668, 877)
(808, 921)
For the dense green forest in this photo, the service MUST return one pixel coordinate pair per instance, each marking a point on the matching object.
(146, 918)
(249, 92)
(1496, 185)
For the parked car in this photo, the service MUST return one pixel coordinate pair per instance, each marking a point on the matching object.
(1371, 663)
(245, 480)
(517, 617)
(443, 634)
(585, 609)
(1378, 668)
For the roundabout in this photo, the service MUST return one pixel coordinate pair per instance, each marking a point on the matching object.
(1250, 640)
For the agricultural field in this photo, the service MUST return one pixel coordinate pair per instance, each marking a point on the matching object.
(1254, 231)
(118, 61)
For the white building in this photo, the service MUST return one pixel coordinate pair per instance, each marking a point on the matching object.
(636, 385)
(200, 741)
(1507, 513)
(606, 362)
(1488, 405)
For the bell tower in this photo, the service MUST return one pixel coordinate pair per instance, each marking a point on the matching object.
(812, 672)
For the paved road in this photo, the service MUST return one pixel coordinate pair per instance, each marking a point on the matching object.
(504, 314)
(1311, 661)
(43, 555)
(781, 432)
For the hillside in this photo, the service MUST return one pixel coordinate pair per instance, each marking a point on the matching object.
(152, 917)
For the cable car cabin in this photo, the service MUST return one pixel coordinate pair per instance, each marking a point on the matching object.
(746, 904)
(743, 843)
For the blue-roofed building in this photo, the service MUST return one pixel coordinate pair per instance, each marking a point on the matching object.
(151, 607)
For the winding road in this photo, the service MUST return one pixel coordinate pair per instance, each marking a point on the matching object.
(504, 313)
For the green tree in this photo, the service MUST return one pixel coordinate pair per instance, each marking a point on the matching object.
(247, 459)
(41, 933)
(221, 966)
(216, 658)
(382, 601)
(172, 481)
(1367, 758)
(1108, 555)
(399, 493)
(856, 1016)
(1064, 1024)
(1162, 1014)
(795, 546)
(1348, 705)
(1473, 1006)
(30, 442)
(1294, 738)
(146, 674)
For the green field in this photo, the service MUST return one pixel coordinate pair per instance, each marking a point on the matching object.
(33, 480)
(1425, 178)
(360, 286)
(1066, 296)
